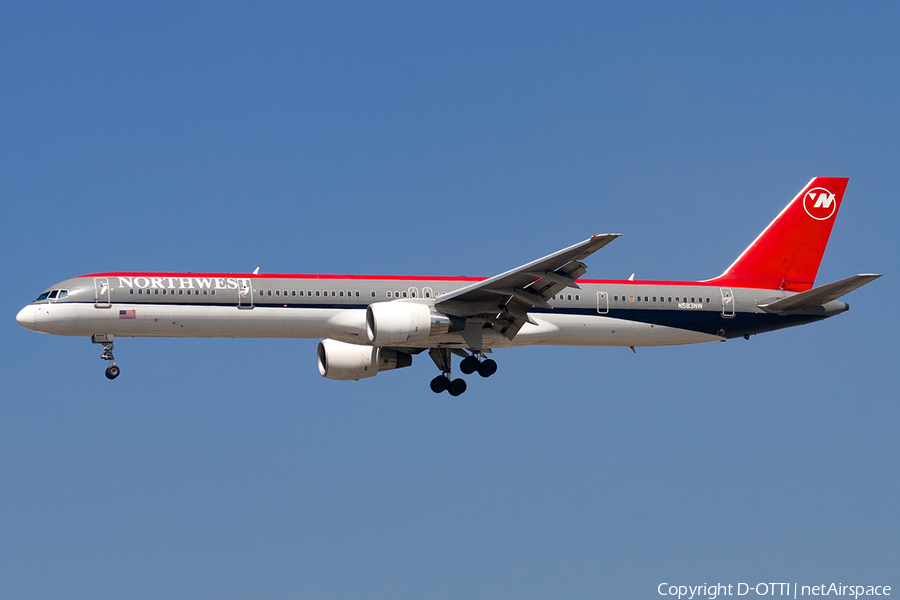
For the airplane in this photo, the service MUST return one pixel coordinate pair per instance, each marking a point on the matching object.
(369, 324)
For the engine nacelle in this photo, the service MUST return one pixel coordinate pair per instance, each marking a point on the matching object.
(342, 361)
(389, 323)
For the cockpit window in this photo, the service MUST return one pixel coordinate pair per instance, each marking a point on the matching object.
(53, 294)
(63, 293)
(43, 296)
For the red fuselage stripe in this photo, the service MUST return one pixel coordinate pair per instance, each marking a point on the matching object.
(387, 278)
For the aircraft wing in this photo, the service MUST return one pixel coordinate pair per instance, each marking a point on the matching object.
(503, 301)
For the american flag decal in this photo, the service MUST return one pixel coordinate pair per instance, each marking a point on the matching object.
(126, 314)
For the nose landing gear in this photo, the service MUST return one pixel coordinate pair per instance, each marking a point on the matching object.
(106, 339)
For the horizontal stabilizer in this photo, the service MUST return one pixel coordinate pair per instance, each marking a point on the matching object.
(820, 295)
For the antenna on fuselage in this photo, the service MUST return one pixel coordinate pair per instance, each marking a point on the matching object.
(256, 271)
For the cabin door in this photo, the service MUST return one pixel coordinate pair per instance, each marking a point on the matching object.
(727, 303)
(602, 303)
(245, 293)
(101, 292)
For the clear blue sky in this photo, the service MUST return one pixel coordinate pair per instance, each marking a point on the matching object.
(444, 140)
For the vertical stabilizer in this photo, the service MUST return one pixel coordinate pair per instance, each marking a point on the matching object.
(786, 255)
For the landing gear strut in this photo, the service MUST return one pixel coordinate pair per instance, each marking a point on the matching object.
(441, 357)
(106, 339)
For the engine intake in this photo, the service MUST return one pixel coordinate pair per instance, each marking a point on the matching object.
(389, 323)
(345, 362)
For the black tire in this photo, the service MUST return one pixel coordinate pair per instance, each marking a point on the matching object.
(457, 387)
(468, 365)
(439, 384)
(487, 368)
(112, 371)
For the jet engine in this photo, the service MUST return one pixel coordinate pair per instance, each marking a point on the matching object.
(342, 361)
(390, 323)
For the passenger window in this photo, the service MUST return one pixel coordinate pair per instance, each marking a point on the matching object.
(284, 293)
(342, 294)
(670, 298)
(156, 292)
(404, 294)
(692, 299)
(317, 293)
(131, 291)
(631, 298)
(332, 294)
(204, 292)
(373, 294)
(213, 292)
(577, 297)
(646, 299)
(707, 300)
(570, 296)
(639, 298)
(654, 298)
(357, 294)
(277, 293)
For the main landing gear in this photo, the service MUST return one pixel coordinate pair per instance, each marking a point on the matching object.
(485, 368)
(106, 339)
(443, 382)
(468, 365)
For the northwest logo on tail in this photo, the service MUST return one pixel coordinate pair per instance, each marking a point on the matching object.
(819, 204)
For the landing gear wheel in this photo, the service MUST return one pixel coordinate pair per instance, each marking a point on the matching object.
(469, 365)
(440, 383)
(457, 387)
(112, 371)
(487, 368)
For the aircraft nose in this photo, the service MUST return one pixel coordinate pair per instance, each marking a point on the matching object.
(25, 318)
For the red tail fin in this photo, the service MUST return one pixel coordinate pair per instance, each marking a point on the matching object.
(786, 255)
